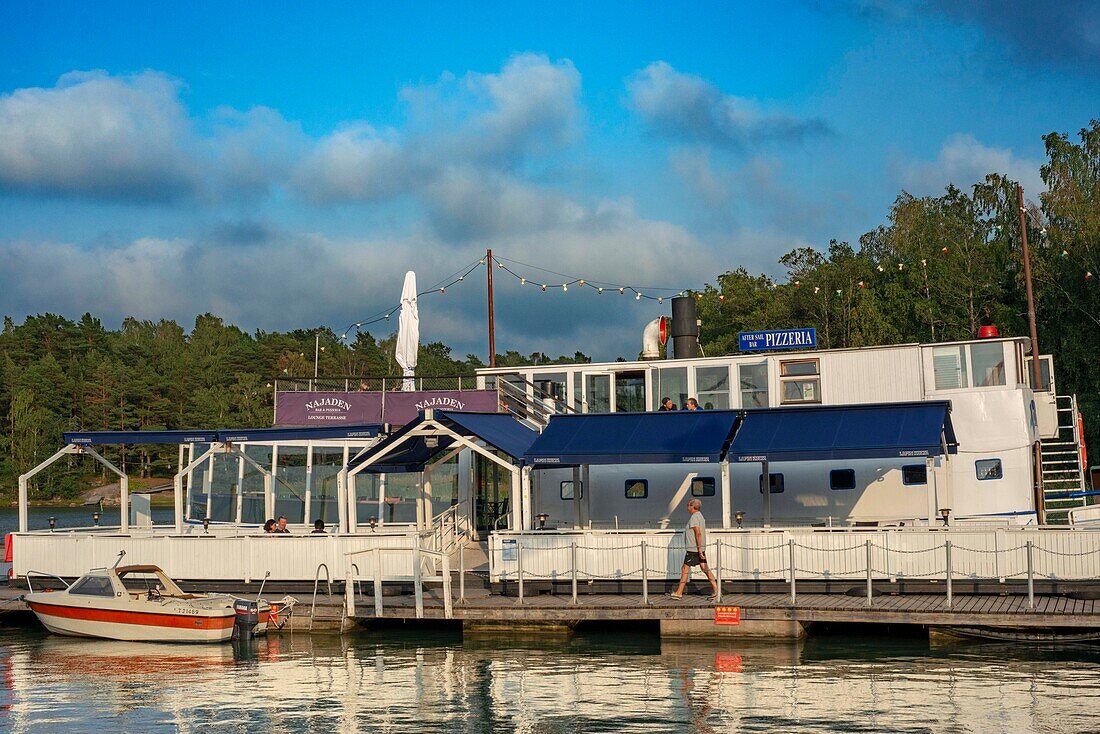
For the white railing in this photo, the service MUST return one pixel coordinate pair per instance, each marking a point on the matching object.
(207, 557)
(378, 563)
(948, 555)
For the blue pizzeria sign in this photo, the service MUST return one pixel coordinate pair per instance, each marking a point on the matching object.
(755, 341)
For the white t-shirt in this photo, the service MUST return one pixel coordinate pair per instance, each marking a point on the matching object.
(695, 521)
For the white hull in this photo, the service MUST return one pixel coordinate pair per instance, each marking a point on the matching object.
(131, 632)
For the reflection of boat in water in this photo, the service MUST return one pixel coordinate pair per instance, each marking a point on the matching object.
(152, 609)
(1018, 634)
(112, 659)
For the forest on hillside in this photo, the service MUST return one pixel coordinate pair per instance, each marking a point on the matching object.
(934, 271)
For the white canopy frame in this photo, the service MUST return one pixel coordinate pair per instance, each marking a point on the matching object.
(231, 450)
(77, 450)
(431, 428)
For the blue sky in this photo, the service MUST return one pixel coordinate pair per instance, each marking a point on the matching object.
(284, 166)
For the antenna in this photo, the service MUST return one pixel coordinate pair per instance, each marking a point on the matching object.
(118, 560)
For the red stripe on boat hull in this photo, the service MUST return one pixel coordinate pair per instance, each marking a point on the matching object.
(176, 621)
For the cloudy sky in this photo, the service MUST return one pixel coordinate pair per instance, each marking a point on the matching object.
(284, 167)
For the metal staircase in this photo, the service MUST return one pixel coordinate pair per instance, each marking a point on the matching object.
(1063, 476)
(528, 403)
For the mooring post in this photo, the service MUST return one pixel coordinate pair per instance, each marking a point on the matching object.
(645, 577)
(349, 594)
(519, 568)
(947, 552)
(462, 573)
(1030, 578)
(790, 546)
(448, 604)
(377, 582)
(573, 553)
(870, 587)
(418, 584)
(718, 568)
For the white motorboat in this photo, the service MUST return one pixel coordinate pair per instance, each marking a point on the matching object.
(152, 608)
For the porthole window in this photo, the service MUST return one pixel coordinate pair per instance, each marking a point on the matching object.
(702, 487)
(776, 483)
(567, 490)
(914, 474)
(637, 489)
(842, 479)
(989, 469)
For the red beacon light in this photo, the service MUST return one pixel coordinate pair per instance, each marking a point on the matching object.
(988, 331)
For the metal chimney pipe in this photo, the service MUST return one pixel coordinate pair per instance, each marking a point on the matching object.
(685, 327)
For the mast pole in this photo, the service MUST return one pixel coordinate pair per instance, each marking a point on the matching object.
(1035, 372)
(492, 321)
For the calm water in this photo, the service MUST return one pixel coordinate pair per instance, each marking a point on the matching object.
(597, 682)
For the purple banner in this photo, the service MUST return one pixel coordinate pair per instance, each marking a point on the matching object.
(402, 407)
(335, 408)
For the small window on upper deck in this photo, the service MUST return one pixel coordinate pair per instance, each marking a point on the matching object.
(567, 490)
(93, 586)
(987, 364)
(914, 474)
(988, 469)
(949, 366)
(842, 479)
(702, 487)
(637, 489)
(800, 381)
(775, 482)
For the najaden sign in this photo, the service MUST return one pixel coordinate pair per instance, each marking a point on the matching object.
(756, 341)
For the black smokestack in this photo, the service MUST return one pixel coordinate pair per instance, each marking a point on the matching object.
(685, 328)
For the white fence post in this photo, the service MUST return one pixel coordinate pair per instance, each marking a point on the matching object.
(870, 587)
(947, 553)
(418, 583)
(573, 554)
(790, 546)
(718, 568)
(349, 594)
(377, 553)
(462, 573)
(448, 608)
(1030, 577)
(645, 577)
(519, 568)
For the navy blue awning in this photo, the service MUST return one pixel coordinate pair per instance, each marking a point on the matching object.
(679, 437)
(223, 435)
(875, 431)
(398, 453)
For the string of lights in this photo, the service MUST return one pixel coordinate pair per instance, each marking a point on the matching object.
(513, 268)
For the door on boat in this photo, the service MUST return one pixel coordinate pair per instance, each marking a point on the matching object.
(492, 494)
(614, 392)
(597, 392)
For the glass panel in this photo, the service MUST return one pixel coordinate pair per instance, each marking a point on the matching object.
(367, 487)
(702, 487)
(987, 364)
(801, 391)
(444, 486)
(197, 483)
(93, 586)
(598, 393)
(290, 483)
(914, 474)
(567, 490)
(713, 385)
(252, 504)
(629, 392)
(947, 364)
(401, 493)
(989, 469)
(223, 488)
(673, 386)
(323, 502)
(775, 480)
(754, 385)
(799, 368)
(637, 489)
(842, 479)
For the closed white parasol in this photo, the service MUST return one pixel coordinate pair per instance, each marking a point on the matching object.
(408, 332)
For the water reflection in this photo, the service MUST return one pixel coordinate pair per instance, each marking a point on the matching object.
(396, 681)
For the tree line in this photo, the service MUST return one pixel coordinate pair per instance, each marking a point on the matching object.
(937, 269)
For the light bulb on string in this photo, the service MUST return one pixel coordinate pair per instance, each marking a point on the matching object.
(442, 290)
(881, 269)
(564, 287)
(523, 281)
(599, 290)
(581, 281)
(481, 261)
(660, 300)
(637, 296)
(622, 291)
(543, 287)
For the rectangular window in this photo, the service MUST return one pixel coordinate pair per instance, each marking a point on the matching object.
(800, 381)
(987, 364)
(754, 385)
(567, 490)
(712, 385)
(947, 365)
(93, 586)
(702, 487)
(776, 483)
(1044, 373)
(637, 489)
(673, 385)
(914, 474)
(842, 479)
(988, 469)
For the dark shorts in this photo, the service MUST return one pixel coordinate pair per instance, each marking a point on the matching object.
(693, 559)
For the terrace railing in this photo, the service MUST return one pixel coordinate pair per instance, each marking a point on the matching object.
(353, 383)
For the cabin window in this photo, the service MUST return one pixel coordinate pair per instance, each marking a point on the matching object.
(673, 384)
(754, 385)
(629, 392)
(93, 586)
(637, 489)
(1044, 373)
(914, 474)
(702, 487)
(987, 364)
(712, 386)
(567, 490)
(842, 479)
(947, 364)
(776, 481)
(988, 469)
(800, 381)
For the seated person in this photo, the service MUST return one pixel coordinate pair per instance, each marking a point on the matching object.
(269, 527)
(318, 526)
(280, 529)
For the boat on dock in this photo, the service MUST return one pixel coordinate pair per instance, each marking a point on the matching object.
(152, 608)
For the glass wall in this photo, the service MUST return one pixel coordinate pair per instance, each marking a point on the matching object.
(713, 387)
(323, 500)
(597, 390)
(400, 501)
(290, 483)
(629, 392)
(672, 382)
(252, 487)
(987, 364)
(367, 487)
(225, 475)
(753, 379)
(197, 485)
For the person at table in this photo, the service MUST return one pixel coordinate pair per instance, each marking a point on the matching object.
(318, 526)
(269, 527)
(280, 529)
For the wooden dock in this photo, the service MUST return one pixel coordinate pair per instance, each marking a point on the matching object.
(984, 610)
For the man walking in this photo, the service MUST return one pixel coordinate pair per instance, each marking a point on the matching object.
(695, 542)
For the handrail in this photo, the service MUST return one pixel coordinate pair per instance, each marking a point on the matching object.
(418, 579)
(316, 582)
(30, 586)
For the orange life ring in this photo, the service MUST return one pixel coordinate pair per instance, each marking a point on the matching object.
(1084, 449)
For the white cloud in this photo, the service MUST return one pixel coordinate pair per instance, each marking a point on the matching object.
(687, 107)
(964, 161)
(99, 136)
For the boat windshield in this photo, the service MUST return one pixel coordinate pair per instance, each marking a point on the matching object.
(148, 578)
(93, 586)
